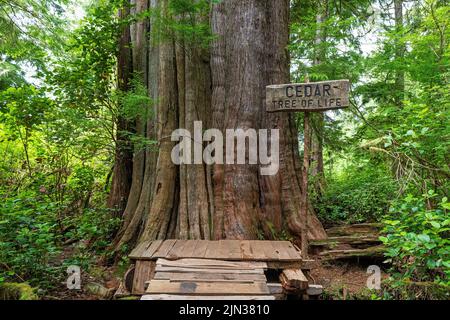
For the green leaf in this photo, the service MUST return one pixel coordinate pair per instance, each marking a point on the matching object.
(424, 237)
(435, 224)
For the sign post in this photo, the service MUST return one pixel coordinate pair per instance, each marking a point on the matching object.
(307, 97)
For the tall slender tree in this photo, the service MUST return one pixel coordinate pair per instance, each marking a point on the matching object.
(123, 166)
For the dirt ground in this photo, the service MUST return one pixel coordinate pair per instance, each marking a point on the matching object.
(344, 279)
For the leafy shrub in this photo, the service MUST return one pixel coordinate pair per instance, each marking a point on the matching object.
(28, 240)
(417, 241)
(95, 226)
(358, 195)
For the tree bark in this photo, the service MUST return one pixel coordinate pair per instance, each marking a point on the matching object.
(399, 54)
(224, 87)
(123, 163)
(317, 123)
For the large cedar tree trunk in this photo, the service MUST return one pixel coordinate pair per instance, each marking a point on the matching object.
(224, 87)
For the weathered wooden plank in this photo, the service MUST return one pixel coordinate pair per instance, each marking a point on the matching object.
(258, 250)
(246, 250)
(231, 250)
(270, 252)
(222, 250)
(209, 277)
(164, 249)
(205, 288)
(208, 263)
(140, 249)
(294, 278)
(148, 253)
(176, 250)
(160, 268)
(212, 250)
(200, 249)
(144, 271)
(313, 96)
(281, 251)
(234, 250)
(188, 249)
(293, 251)
(156, 297)
(314, 290)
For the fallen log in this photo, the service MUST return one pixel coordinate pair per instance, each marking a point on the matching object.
(356, 241)
(354, 229)
(376, 251)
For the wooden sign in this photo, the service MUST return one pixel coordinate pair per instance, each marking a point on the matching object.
(311, 96)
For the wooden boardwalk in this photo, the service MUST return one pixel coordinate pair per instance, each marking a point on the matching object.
(223, 269)
(280, 254)
(211, 279)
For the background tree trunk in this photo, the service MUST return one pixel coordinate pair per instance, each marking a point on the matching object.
(139, 43)
(399, 53)
(123, 163)
(317, 123)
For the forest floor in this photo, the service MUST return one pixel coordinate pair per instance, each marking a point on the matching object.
(341, 280)
(346, 279)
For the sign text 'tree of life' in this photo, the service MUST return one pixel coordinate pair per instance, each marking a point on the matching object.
(311, 96)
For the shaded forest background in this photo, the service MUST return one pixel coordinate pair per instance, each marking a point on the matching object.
(68, 118)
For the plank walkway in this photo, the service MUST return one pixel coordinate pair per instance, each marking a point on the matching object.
(206, 279)
(227, 250)
(217, 270)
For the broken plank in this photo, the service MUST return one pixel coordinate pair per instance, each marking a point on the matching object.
(204, 288)
(294, 278)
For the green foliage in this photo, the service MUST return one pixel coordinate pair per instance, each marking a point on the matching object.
(28, 239)
(184, 20)
(29, 29)
(412, 134)
(17, 291)
(95, 225)
(416, 237)
(23, 107)
(362, 193)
